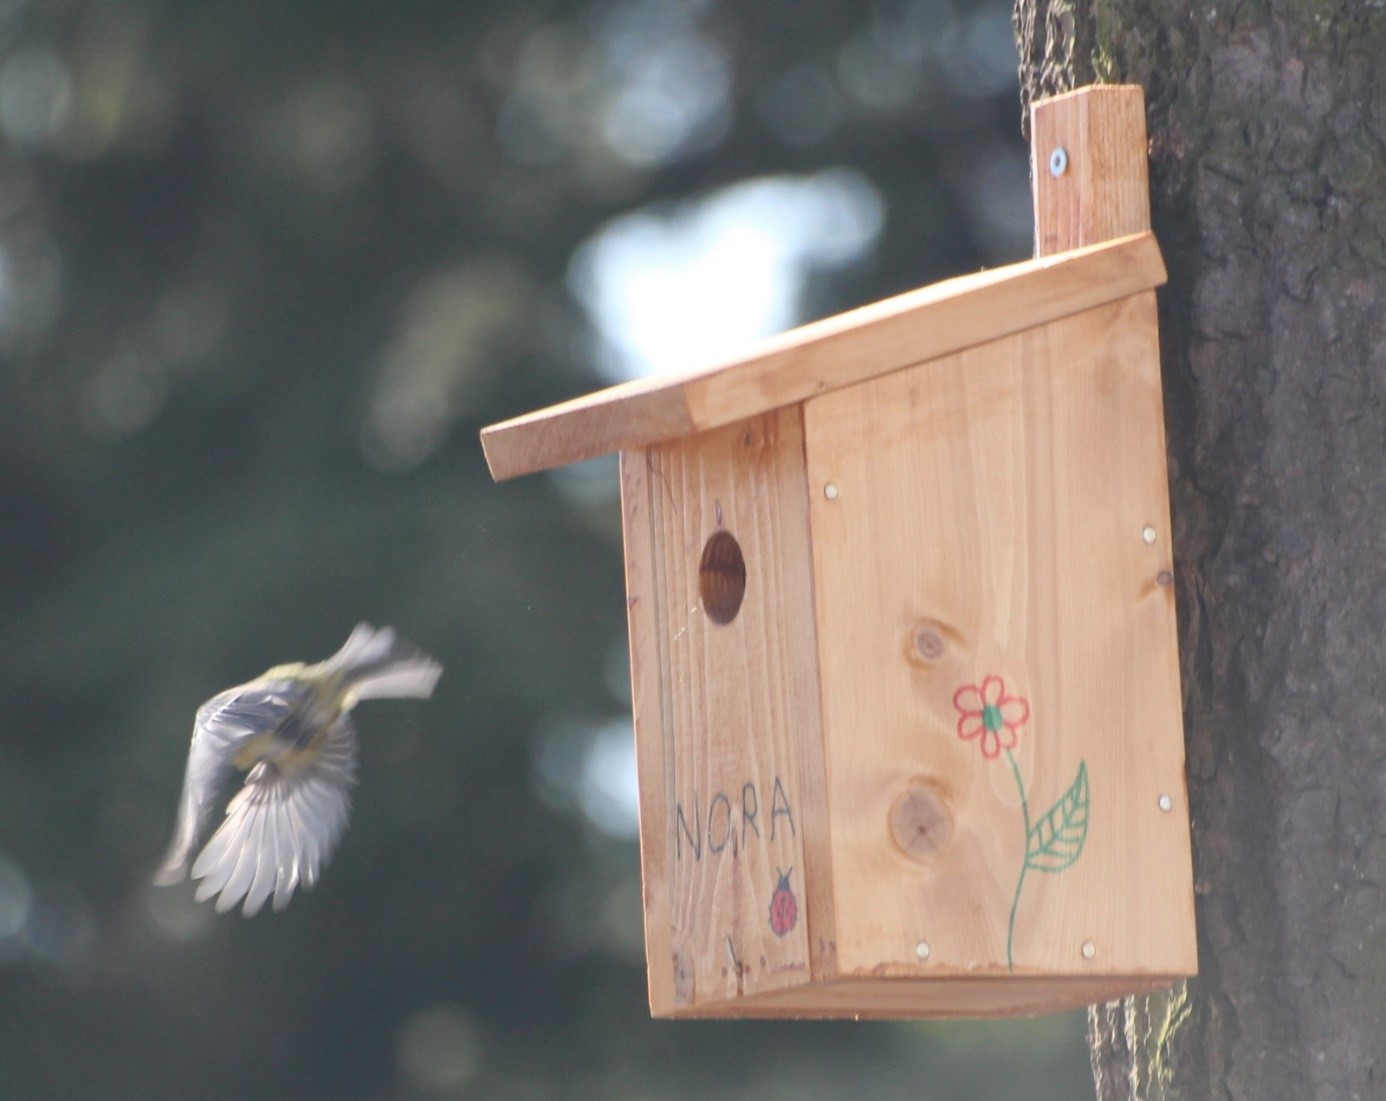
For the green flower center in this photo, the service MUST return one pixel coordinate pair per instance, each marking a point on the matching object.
(991, 718)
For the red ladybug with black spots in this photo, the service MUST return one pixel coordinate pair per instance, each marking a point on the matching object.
(784, 907)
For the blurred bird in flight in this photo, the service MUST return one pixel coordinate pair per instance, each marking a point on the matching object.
(290, 732)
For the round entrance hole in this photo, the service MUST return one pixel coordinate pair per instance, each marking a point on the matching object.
(722, 577)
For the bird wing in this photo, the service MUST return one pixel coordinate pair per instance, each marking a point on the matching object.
(224, 725)
(282, 826)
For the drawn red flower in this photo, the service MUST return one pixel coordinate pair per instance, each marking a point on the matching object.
(986, 712)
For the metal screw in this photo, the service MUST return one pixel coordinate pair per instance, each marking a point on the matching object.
(922, 949)
(1058, 161)
(1089, 950)
(1165, 802)
(830, 491)
(1148, 534)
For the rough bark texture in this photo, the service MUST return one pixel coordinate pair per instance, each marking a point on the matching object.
(1268, 157)
(1057, 40)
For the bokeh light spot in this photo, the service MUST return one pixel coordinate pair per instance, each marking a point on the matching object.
(35, 94)
(645, 85)
(16, 897)
(876, 75)
(670, 97)
(436, 364)
(675, 288)
(176, 915)
(61, 930)
(439, 1049)
(590, 767)
(978, 52)
(126, 395)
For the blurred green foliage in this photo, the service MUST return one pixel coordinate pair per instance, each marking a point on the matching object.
(265, 269)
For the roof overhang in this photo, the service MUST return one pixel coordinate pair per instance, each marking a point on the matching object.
(839, 351)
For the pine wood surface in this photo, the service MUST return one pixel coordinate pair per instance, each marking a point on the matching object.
(886, 997)
(645, 625)
(885, 336)
(1001, 503)
(727, 724)
(1105, 191)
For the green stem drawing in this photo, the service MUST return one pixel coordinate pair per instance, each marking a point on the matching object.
(1052, 842)
(1025, 865)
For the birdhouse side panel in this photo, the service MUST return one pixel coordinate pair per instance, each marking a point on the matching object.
(647, 659)
(1003, 731)
(724, 664)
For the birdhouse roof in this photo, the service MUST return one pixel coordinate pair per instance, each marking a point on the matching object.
(885, 336)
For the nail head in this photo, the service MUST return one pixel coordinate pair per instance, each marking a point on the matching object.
(830, 491)
(922, 949)
(1166, 803)
(1089, 950)
(1148, 534)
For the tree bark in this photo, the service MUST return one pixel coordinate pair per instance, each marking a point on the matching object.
(1267, 126)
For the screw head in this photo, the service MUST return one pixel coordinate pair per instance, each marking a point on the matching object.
(922, 949)
(1165, 802)
(1148, 534)
(830, 491)
(1089, 950)
(1058, 161)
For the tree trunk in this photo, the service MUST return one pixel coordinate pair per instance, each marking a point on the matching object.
(1267, 129)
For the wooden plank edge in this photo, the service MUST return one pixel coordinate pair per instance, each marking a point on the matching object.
(820, 895)
(937, 320)
(940, 319)
(647, 658)
(647, 707)
(619, 418)
(951, 997)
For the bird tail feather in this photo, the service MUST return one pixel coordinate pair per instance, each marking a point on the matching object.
(378, 664)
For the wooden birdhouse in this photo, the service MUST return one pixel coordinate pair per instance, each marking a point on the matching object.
(902, 631)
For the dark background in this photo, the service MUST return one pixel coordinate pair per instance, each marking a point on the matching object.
(265, 270)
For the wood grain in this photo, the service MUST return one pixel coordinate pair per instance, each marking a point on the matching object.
(1001, 496)
(1104, 192)
(646, 628)
(826, 355)
(727, 716)
(882, 997)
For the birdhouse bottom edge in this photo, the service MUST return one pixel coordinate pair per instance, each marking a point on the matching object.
(876, 998)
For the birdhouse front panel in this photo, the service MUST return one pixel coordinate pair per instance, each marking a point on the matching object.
(728, 738)
(1001, 704)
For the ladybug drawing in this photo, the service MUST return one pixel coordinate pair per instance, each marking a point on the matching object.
(784, 907)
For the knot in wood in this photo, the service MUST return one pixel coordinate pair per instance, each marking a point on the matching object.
(926, 643)
(920, 823)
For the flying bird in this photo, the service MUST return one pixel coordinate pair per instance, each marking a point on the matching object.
(290, 732)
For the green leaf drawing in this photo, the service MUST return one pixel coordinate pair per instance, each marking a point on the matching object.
(1056, 839)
